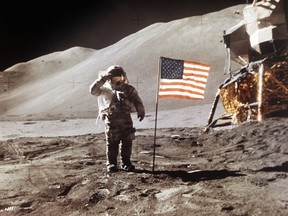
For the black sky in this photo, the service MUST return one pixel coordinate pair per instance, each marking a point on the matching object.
(30, 29)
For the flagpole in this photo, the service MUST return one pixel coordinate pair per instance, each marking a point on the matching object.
(156, 113)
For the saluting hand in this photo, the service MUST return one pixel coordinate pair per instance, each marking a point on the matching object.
(106, 77)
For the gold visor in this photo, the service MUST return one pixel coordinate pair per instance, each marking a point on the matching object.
(116, 80)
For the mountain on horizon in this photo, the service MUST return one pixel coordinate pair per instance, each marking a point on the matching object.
(58, 83)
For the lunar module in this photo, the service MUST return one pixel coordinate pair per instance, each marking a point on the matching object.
(259, 44)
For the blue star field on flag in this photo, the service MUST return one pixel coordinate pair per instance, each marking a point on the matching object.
(171, 68)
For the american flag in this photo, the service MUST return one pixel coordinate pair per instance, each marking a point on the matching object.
(182, 79)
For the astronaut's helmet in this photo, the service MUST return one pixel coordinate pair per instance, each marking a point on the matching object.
(117, 75)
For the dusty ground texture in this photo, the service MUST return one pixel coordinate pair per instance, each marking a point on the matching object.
(239, 171)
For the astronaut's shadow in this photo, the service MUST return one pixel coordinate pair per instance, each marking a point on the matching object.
(195, 176)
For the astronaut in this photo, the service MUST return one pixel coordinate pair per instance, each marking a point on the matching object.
(116, 101)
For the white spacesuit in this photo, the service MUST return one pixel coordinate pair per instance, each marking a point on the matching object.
(116, 100)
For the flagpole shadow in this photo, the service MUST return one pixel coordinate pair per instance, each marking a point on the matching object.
(279, 168)
(196, 176)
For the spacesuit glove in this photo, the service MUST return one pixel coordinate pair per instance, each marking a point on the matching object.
(140, 117)
(106, 77)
